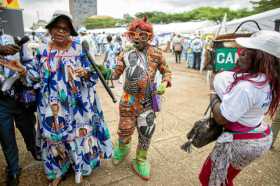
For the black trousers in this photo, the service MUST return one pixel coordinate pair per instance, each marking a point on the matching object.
(12, 112)
(178, 56)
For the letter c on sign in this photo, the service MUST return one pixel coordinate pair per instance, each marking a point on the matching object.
(220, 58)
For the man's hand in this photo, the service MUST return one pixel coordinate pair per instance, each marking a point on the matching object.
(6, 50)
(15, 66)
(161, 88)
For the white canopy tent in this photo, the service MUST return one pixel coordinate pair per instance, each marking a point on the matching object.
(41, 30)
(109, 30)
(185, 27)
(28, 30)
(265, 21)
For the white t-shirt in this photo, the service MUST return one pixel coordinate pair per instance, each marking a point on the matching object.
(246, 103)
(197, 45)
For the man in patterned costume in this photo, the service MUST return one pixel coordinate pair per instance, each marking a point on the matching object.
(140, 65)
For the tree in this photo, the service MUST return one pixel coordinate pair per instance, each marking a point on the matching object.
(264, 5)
(100, 22)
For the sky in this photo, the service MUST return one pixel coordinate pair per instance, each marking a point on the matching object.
(117, 8)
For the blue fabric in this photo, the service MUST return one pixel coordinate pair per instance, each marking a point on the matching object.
(24, 57)
(10, 112)
(111, 51)
(78, 136)
(190, 59)
(8, 140)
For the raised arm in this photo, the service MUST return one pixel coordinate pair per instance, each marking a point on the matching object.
(165, 71)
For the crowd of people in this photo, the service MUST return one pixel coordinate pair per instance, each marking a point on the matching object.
(191, 48)
(56, 80)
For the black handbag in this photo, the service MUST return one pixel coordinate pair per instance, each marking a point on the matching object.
(204, 131)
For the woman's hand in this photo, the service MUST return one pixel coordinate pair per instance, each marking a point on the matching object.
(17, 66)
(81, 72)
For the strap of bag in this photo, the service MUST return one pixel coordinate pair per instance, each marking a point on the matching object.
(209, 106)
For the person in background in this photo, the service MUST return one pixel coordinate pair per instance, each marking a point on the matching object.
(103, 42)
(190, 59)
(196, 46)
(239, 101)
(46, 38)
(34, 43)
(16, 107)
(155, 41)
(118, 45)
(186, 46)
(95, 42)
(110, 57)
(99, 39)
(34, 38)
(177, 48)
(205, 46)
(84, 36)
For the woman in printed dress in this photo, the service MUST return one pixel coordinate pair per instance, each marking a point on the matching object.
(72, 128)
(240, 99)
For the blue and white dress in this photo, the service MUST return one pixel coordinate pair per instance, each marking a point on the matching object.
(111, 56)
(78, 135)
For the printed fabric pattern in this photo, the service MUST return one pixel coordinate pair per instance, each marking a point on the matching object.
(78, 135)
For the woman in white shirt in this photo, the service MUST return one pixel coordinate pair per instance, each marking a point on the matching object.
(240, 99)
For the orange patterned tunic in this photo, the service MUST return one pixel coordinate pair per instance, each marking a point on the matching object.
(140, 69)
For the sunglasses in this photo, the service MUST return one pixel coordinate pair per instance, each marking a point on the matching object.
(143, 36)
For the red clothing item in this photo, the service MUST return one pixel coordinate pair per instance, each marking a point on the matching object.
(206, 172)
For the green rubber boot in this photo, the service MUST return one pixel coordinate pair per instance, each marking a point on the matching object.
(120, 152)
(140, 165)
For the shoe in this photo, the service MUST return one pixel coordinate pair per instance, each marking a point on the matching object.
(13, 180)
(141, 169)
(140, 166)
(120, 152)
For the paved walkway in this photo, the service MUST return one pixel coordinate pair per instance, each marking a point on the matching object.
(182, 105)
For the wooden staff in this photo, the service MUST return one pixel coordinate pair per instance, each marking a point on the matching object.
(86, 49)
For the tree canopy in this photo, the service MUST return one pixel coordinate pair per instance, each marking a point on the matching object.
(264, 5)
